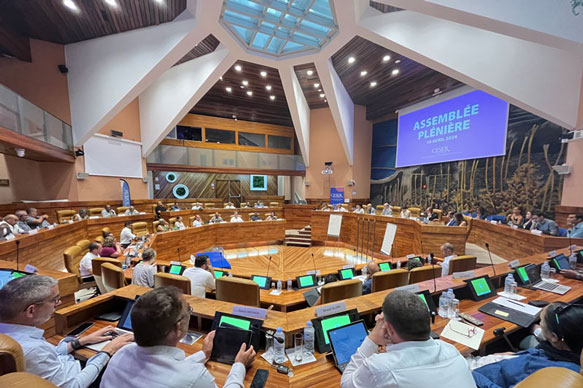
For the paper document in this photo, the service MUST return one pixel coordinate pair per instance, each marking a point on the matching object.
(275, 292)
(512, 296)
(517, 306)
(465, 334)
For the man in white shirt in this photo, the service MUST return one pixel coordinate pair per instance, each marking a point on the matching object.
(230, 206)
(131, 211)
(201, 276)
(160, 320)
(412, 358)
(9, 225)
(107, 212)
(30, 301)
(85, 268)
(387, 211)
(447, 253)
(126, 236)
(236, 218)
(197, 221)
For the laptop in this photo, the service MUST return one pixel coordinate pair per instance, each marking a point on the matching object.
(7, 274)
(529, 276)
(124, 325)
(345, 341)
(559, 262)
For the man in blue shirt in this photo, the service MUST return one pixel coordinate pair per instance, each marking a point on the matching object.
(371, 268)
(30, 301)
(544, 225)
(575, 223)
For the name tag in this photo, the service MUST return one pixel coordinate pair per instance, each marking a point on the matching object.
(331, 309)
(33, 231)
(410, 288)
(51, 227)
(411, 256)
(252, 312)
(30, 268)
(463, 275)
(312, 272)
(494, 222)
(514, 263)
(10, 237)
(347, 266)
(552, 254)
(514, 226)
(537, 232)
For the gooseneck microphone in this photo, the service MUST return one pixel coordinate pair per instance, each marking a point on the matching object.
(314, 261)
(17, 253)
(431, 255)
(491, 261)
(570, 245)
(268, 265)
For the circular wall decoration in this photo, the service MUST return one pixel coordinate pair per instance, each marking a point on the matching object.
(180, 191)
(171, 177)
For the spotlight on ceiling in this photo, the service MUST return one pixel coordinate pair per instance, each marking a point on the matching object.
(363, 73)
(249, 93)
(395, 72)
(327, 169)
(272, 98)
(263, 74)
(20, 152)
(71, 5)
(245, 82)
(316, 86)
(309, 72)
(322, 95)
(228, 89)
(373, 84)
(112, 3)
(351, 60)
(268, 87)
(238, 68)
(386, 58)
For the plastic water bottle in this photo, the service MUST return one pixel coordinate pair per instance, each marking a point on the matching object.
(508, 284)
(398, 264)
(279, 285)
(450, 297)
(279, 347)
(230, 274)
(309, 338)
(573, 261)
(364, 271)
(545, 271)
(289, 284)
(443, 305)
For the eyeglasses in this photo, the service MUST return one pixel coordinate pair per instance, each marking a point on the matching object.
(470, 332)
(55, 301)
(187, 315)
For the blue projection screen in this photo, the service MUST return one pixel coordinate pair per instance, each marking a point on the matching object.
(469, 126)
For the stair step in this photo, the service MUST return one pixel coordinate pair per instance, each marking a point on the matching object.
(299, 243)
(298, 239)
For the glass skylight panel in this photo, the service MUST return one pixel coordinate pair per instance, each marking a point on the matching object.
(260, 40)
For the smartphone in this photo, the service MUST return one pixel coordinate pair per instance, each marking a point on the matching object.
(260, 378)
(80, 329)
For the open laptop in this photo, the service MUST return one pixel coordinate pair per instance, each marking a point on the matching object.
(7, 274)
(559, 262)
(529, 276)
(124, 325)
(345, 341)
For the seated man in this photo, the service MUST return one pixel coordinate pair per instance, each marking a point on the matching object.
(82, 215)
(236, 218)
(85, 267)
(35, 221)
(30, 301)
(201, 276)
(575, 223)
(452, 220)
(370, 209)
(175, 207)
(340, 208)
(131, 211)
(561, 347)
(197, 221)
(254, 217)
(216, 218)
(143, 274)
(412, 358)
(107, 212)
(371, 269)
(160, 320)
(159, 209)
(387, 211)
(197, 206)
(273, 216)
(358, 209)
(126, 236)
(230, 205)
(405, 212)
(544, 225)
(21, 224)
(9, 226)
(447, 252)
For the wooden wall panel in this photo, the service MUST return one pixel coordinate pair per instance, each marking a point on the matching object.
(562, 212)
(297, 216)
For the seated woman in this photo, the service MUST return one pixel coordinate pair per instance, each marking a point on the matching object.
(358, 209)
(515, 218)
(481, 213)
(143, 274)
(528, 221)
(460, 220)
(197, 221)
(405, 212)
(111, 248)
(178, 224)
(163, 226)
(563, 341)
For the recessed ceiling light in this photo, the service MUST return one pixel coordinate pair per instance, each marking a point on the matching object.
(319, 90)
(221, 78)
(363, 73)
(238, 68)
(113, 3)
(263, 74)
(322, 95)
(436, 90)
(245, 82)
(395, 72)
(325, 100)
(160, 1)
(386, 58)
(398, 61)
(249, 93)
(351, 60)
(71, 5)
(373, 84)
(272, 98)
(228, 89)
(316, 86)
(268, 87)
(309, 72)
(242, 87)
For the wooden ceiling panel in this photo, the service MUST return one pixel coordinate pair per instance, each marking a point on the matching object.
(206, 46)
(414, 82)
(307, 83)
(258, 107)
(384, 8)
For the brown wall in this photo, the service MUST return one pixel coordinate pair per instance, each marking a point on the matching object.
(325, 146)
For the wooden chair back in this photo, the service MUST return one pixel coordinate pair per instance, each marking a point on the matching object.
(462, 263)
(552, 377)
(420, 274)
(162, 279)
(343, 289)
(415, 211)
(24, 380)
(65, 215)
(72, 257)
(140, 228)
(122, 209)
(396, 211)
(391, 279)
(237, 290)
(11, 356)
(95, 211)
(112, 277)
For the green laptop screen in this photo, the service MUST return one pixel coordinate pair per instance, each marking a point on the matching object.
(175, 269)
(16, 275)
(423, 299)
(230, 321)
(332, 323)
(480, 286)
(385, 266)
(306, 281)
(523, 275)
(218, 274)
(347, 274)
(261, 280)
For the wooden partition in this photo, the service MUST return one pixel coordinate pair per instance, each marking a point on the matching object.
(266, 199)
(297, 216)
(206, 214)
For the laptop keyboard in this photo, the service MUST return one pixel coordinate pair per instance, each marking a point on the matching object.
(553, 287)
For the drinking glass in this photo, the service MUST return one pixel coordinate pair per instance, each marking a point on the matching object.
(454, 309)
(299, 346)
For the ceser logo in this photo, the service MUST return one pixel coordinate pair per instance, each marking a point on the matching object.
(440, 150)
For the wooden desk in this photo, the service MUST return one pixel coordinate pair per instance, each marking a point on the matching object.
(116, 224)
(206, 214)
(411, 236)
(514, 243)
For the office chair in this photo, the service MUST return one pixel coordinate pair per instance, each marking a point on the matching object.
(11, 356)
(238, 291)
(343, 289)
(24, 380)
(552, 377)
(112, 277)
(65, 215)
(162, 279)
(462, 263)
(97, 273)
(420, 274)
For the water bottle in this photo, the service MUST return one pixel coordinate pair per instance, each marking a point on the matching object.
(289, 284)
(398, 264)
(573, 261)
(279, 285)
(128, 261)
(364, 271)
(545, 271)
(450, 297)
(230, 274)
(309, 338)
(508, 284)
(443, 305)
(513, 287)
(279, 347)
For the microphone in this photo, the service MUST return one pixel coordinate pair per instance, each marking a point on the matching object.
(314, 261)
(570, 245)
(17, 253)
(431, 255)
(268, 267)
(491, 261)
(179, 259)
(271, 333)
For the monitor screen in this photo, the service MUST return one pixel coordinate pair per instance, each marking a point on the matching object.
(521, 271)
(422, 296)
(5, 277)
(240, 323)
(175, 269)
(334, 322)
(468, 126)
(261, 280)
(480, 286)
(385, 266)
(306, 281)
(561, 262)
(125, 321)
(219, 274)
(346, 340)
(346, 274)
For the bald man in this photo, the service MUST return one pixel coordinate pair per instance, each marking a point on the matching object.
(372, 268)
(8, 225)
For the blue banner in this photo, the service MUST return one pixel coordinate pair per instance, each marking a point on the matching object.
(336, 195)
(125, 193)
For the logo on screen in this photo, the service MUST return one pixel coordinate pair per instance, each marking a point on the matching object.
(480, 286)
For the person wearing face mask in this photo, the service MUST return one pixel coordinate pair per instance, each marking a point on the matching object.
(560, 346)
